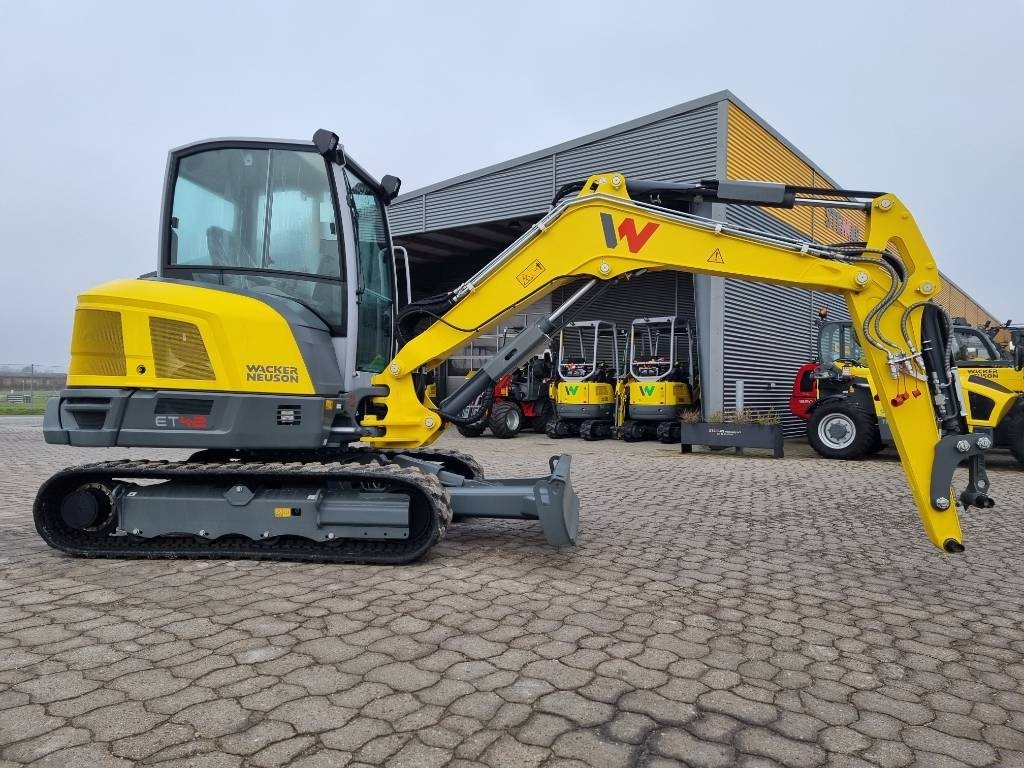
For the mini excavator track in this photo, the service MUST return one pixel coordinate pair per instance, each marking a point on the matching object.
(430, 509)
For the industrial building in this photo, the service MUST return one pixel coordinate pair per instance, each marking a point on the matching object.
(752, 337)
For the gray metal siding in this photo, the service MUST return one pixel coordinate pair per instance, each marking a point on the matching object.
(525, 189)
(678, 148)
(769, 331)
(406, 217)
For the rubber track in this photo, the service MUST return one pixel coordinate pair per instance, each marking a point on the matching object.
(455, 461)
(100, 544)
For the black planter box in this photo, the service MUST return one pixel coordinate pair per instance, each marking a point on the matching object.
(729, 435)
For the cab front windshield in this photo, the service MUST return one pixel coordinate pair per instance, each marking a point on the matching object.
(838, 343)
(259, 220)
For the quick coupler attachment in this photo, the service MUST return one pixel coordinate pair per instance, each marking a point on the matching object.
(551, 500)
(950, 452)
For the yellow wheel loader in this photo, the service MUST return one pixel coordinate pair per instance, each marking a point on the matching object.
(660, 384)
(272, 339)
(849, 420)
(587, 372)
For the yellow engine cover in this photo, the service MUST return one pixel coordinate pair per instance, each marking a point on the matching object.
(585, 393)
(660, 393)
(149, 334)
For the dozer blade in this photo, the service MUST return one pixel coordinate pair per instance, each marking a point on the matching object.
(551, 500)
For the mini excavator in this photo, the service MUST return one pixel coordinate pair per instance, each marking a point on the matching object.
(270, 342)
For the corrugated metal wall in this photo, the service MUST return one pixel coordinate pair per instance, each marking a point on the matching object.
(654, 294)
(678, 148)
(769, 331)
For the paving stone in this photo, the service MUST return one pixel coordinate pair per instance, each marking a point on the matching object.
(150, 742)
(58, 686)
(542, 729)
(630, 728)
(355, 734)
(417, 755)
(657, 707)
(969, 751)
(256, 737)
(584, 712)
(760, 741)
(25, 722)
(591, 748)
(684, 746)
(118, 721)
(313, 714)
(727, 703)
(84, 756)
(402, 676)
(281, 752)
(34, 748)
(506, 752)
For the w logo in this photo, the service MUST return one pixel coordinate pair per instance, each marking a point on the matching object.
(626, 231)
(572, 389)
(647, 389)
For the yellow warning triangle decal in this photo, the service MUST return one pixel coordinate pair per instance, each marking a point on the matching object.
(716, 257)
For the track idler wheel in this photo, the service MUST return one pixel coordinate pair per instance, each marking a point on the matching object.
(88, 508)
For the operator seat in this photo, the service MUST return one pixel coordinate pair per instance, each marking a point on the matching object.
(226, 250)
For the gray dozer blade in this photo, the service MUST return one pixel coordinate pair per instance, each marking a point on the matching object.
(551, 499)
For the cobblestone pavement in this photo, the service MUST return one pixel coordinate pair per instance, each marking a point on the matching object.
(719, 611)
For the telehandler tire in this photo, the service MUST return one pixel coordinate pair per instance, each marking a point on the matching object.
(1013, 430)
(506, 419)
(841, 430)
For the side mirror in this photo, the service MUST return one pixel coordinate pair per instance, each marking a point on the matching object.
(390, 185)
(327, 144)
(1018, 356)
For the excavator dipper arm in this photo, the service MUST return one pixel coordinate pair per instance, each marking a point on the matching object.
(606, 235)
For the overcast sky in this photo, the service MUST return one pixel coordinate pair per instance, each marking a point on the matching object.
(920, 98)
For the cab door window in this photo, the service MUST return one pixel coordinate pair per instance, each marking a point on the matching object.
(375, 292)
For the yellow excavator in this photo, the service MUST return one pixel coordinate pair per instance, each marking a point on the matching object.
(272, 339)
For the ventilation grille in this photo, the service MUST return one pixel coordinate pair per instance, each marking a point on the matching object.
(289, 415)
(183, 406)
(178, 350)
(97, 345)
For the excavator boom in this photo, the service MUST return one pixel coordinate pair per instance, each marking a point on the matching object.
(603, 234)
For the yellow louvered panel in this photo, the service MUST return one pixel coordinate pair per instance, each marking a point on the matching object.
(178, 350)
(753, 153)
(97, 344)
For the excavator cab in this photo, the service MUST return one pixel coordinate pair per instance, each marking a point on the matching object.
(662, 378)
(588, 367)
(287, 220)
